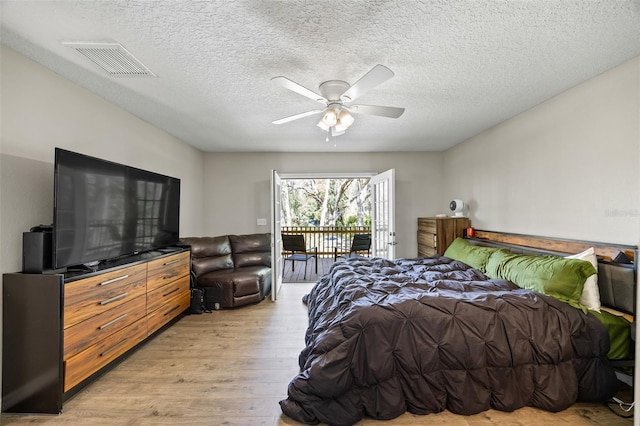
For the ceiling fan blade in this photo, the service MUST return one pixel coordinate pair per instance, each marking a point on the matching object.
(297, 116)
(301, 90)
(382, 111)
(377, 75)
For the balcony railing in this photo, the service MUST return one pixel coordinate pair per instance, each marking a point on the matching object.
(327, 238)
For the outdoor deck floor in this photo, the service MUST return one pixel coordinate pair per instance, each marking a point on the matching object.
(297, 276)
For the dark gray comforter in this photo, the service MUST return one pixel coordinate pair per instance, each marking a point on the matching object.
(424, 335)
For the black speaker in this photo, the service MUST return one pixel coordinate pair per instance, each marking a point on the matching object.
(36, 251)
(620, 257)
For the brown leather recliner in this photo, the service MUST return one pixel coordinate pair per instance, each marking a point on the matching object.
(233, 270)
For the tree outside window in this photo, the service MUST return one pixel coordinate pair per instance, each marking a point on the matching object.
(326, 202)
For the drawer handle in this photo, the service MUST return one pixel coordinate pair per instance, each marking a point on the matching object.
(113, 280)
(171, 292)
(114, 347)
(166, 277)
(170, 262)
(113, 299)
(171, 311)
(121, 317)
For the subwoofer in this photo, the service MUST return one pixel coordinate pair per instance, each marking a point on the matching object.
(37, 251)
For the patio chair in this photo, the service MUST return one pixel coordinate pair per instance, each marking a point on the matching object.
(360, 243)
(299, 251)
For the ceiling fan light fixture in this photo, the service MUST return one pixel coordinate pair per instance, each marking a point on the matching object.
(330, 118)
(323, 125)
(345, 119)
(335, 96)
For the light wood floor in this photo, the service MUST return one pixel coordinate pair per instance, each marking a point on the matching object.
(231, 367)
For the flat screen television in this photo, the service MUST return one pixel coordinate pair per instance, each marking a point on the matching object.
(105, 210)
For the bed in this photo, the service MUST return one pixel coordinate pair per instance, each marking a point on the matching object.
(455, 332)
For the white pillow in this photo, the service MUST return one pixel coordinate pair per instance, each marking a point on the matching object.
(590, 294)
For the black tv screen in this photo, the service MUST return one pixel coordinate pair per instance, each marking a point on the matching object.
(104, 210)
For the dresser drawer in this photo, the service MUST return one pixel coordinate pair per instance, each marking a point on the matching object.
(427, 225)
(171, 309)
(426, 251)
(439, 233)
(94, 295)
(428, 240)
(167, 269)
(87, 362)
(86, 333)
(162, 295)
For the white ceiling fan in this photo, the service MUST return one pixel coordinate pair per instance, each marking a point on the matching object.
(337, 95)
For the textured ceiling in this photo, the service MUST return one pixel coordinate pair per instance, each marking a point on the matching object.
(460, 66)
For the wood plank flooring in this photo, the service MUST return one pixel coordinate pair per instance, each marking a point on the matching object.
(298, 276)
(231, 367)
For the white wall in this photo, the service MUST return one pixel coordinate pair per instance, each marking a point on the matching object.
(237, 187)
(567, 168)
(41, 111)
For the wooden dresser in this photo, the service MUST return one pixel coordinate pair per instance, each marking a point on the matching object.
(62, 332)
(435, 234)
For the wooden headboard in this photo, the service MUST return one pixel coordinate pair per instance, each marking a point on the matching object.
(604, 251)
(616, 281)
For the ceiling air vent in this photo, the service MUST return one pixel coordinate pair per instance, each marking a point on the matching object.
(113, 58)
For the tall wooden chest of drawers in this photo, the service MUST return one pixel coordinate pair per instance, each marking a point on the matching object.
(60, 332)
(435, 234)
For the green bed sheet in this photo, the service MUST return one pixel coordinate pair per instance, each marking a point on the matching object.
(619, 334)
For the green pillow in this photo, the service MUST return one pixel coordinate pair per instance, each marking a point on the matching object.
(495, 261)
(554, 276)
(474, 256)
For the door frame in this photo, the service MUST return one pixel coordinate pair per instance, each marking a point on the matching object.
(383, 222)
(276, 237)
(275, 228)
